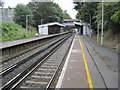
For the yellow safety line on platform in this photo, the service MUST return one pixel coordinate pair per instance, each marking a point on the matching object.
(86, 68)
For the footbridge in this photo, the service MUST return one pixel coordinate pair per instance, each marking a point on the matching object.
(83, 28)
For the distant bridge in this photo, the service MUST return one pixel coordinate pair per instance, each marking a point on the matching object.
(83, 28)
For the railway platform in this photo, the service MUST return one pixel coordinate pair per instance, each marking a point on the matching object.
(75, 73)
(84, 69)
(17, 42)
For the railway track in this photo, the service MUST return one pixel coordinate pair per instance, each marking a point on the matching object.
(16, 73)
(19, 56)
(26, 57)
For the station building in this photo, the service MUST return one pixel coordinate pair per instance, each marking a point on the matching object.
(50, 28)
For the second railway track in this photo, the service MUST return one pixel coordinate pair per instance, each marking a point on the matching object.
(22, 54)
(27, 57)
(17, 74)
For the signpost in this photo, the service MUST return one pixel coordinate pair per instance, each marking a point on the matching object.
(27, 26)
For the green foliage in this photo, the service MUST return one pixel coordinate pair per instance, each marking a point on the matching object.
(31, 32)
(20, 15)
(1, 3)
(12, 31)
(86, 11)
(116, 17)
(107, 34)
(66, 15)
(49, 11)
(57, 12)
(111, 14)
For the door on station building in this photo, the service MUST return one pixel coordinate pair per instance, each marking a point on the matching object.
(81, 28)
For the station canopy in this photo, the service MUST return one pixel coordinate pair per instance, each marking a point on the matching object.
(78, 23)
(51, 24)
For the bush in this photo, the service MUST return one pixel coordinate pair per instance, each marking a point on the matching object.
(107, 34)
(12, 31)
(31, 32)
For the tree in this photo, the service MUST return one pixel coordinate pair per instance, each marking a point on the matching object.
(1, 3)
(57, 12)
(20, 15)
(66, 15)
(49, 11)
(111, 16)
(86, 12)
(116, 16)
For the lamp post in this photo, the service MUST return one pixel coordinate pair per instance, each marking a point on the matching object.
(41, 24)
(41, 21)
(98, 23)
(90, 25)
(98, 33)
(27, 26)
(102, 35)
(90, 20)
(2, 13)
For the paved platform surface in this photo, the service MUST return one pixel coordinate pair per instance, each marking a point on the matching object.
(102, 62)
(74, 70)
(102, 66)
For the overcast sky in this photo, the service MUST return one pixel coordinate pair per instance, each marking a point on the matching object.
(64, 4)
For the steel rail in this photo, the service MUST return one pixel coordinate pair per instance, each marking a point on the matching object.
(14, 56)
(14, 66)
(50, 82)
(16, 79)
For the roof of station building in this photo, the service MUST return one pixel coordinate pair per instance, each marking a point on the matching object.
(51, 24)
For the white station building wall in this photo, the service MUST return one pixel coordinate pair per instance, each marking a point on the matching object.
(84, 30)
(43, 30)
(88, 31)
